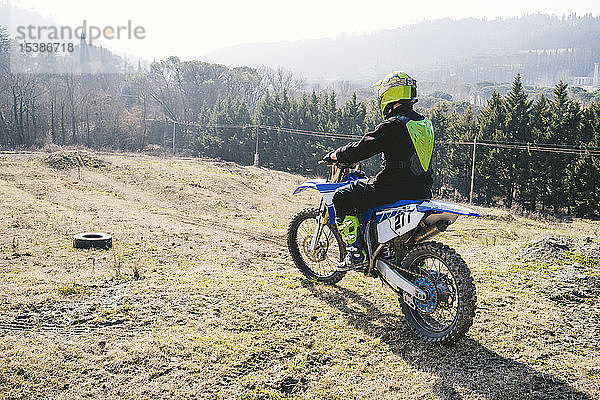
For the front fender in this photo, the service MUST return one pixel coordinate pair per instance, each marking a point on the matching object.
(325, 187)
(310, 184)
(327, 191)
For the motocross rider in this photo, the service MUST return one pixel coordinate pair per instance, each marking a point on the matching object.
(405, 138)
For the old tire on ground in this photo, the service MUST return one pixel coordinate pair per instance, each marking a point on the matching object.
(448, 272)
(321, 264)
(88, 240)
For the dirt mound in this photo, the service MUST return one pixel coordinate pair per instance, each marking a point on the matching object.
(559, 249)
(591, 249)
(575, 288)
(73, 158)
(574, 281)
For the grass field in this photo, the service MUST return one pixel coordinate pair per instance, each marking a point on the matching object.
(199, 298)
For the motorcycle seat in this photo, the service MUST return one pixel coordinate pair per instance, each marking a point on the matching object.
(398, 203)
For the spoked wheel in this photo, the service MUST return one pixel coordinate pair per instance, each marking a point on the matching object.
(319, 263)
(448, 312)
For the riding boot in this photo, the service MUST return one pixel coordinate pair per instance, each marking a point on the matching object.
(349, 228)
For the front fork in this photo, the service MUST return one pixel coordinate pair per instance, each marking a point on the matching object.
(321, 222)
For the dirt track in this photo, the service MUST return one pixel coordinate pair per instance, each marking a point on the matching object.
(199, 299)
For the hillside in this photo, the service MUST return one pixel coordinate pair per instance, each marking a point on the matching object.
(199, 298)
(543, 48)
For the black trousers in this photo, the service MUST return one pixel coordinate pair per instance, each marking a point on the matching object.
(363, 194)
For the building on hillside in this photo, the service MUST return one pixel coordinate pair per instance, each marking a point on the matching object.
(588, 82)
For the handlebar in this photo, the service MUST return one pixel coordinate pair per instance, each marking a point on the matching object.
(338, 171)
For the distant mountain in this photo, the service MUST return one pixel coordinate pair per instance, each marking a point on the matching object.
(12, 16)
(541, 47)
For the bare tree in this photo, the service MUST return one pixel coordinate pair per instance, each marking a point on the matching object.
(281, 80)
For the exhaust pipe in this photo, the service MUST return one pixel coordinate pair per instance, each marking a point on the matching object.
(430, 231)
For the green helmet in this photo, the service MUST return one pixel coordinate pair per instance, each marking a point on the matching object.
(396, 86)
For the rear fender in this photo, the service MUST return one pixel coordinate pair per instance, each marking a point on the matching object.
(439, 215)
(444, 207)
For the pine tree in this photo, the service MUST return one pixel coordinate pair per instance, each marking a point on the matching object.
(583, 175)
(518, 129)
(492, 167)
(590, 134)
(461, 128)
(439, 163)
(536, 190)
(564, 128)
(352, 117)
(583, 183)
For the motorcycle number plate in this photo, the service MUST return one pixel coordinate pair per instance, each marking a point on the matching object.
(397, 221)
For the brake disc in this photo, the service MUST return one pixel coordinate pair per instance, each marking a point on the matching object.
(318, 254)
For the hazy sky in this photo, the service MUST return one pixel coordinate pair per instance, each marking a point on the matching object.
(191, 28)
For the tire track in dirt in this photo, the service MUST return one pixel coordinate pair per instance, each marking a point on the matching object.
(66, 317)
(276, 240)
(123, 327)
(217, 226)
(47, 329)
(40, 325)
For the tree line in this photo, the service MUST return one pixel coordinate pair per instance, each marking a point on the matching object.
(311, 113)
(554, 181)
(218, 110)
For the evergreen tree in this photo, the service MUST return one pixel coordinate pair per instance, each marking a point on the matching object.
(564, 129)
(583, 183)
(352, 117)
(518, 129)
(492, 167)
(227, 143)
(583, 175)
(535, 191)
(460, 157)
(439, 163)
(590, 133)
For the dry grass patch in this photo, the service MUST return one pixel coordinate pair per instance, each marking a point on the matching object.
(199, 299)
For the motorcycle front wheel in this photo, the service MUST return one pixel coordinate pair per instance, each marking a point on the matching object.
(448, 312)
(321, 262)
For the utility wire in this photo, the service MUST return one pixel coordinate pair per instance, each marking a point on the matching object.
(562, 146)
(546, 147)
(528, 148)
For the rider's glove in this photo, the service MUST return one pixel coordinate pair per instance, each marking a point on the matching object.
(327, 159)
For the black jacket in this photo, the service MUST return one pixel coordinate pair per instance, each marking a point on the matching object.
(391, 138)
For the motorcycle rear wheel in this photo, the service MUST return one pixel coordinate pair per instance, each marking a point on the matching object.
(452, 298)
(321, 264)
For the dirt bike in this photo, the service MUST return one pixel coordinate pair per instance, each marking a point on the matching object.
(433, 282)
